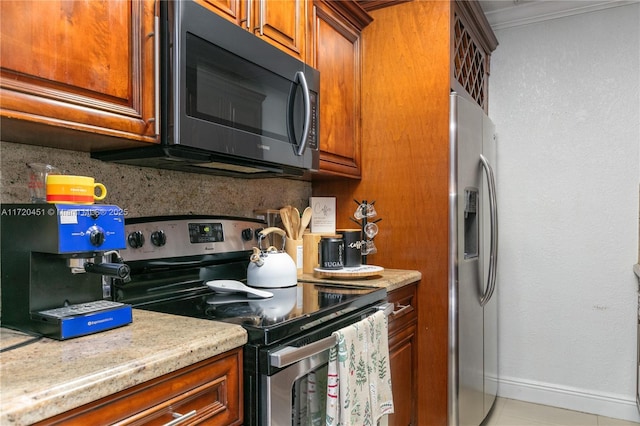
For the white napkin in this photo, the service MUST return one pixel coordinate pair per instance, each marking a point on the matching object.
(359, 376)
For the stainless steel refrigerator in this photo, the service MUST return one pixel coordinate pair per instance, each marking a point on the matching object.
(473, 255)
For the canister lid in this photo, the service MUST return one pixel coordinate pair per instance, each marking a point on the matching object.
(332, 238)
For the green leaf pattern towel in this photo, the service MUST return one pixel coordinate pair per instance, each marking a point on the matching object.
(359, 378)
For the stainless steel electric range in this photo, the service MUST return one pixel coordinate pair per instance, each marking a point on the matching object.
(289, 335)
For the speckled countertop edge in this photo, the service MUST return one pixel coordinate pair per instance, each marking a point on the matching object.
(391, 279)
(48, 377)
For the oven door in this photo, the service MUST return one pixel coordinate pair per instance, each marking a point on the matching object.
(296, 395)
(295, 386)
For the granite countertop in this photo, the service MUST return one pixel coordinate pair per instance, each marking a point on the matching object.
(47, 377)
(391, 279)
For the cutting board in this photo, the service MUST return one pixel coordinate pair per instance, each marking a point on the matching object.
(355, 272)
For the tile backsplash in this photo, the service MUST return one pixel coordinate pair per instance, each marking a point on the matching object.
(142, 191)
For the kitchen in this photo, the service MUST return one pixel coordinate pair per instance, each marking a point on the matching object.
(607, 319)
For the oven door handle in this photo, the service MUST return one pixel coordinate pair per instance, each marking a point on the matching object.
(291, 354)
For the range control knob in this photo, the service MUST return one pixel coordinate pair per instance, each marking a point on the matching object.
(247, 234)
(135, 239)
(258, 232)
(158, 238)
(96, 236)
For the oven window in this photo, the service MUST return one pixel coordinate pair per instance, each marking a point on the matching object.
(226, 89)
(309, 396)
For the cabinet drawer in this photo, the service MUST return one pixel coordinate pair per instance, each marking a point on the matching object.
(404, 307)
(209, 392)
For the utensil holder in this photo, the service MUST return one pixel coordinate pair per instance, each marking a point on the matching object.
(310, 243)
(294, 248)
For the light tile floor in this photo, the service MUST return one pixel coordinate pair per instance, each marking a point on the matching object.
(510, 412)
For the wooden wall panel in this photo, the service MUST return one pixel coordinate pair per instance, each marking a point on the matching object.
(405, 157)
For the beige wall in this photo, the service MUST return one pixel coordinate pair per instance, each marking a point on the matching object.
(146, 192)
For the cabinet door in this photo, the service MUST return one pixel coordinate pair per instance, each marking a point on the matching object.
(78, 75)
(336, 54)
(403, 354)
(229, 9)
(402, 361)
(282, 23)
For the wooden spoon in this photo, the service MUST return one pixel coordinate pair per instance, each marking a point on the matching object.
(285, 216)
(295, 223)
(306, 218)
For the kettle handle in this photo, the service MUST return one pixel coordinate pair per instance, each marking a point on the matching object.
(273, 229)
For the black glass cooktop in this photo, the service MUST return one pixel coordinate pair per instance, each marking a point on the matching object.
(291, 309)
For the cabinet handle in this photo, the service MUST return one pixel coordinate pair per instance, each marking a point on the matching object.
(401, 309)
(249, 15)
(261, 23)
(179, 418)
(156, 71)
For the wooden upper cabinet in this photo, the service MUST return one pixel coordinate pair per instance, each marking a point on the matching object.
(77, 75)
(336, 53)
(281, 23)
(228, 9)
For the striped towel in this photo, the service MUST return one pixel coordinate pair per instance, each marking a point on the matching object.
(359, 376)
(311, 401)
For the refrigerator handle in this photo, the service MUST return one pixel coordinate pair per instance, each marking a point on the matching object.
(493, 214)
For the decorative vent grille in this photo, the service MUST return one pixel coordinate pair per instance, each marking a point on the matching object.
(469, 63)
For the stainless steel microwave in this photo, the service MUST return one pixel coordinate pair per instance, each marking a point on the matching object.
(231, 103)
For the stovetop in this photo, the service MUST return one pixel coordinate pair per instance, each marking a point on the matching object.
(291, 310)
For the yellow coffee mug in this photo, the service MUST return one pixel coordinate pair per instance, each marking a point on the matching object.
(68, 189)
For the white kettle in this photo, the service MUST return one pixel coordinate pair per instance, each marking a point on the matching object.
(271, 268)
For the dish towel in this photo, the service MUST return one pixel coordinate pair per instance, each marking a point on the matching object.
(359, 376)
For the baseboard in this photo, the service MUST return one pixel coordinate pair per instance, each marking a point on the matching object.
(608, 405)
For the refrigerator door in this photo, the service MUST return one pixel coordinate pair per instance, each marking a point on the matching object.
(489, 264)
(471, 332)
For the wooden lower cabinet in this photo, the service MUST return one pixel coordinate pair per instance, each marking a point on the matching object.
(206, 393)
(403, 354)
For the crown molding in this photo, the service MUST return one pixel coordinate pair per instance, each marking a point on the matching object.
(522, 13)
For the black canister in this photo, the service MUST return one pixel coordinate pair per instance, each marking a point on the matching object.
(352, 247)
(331, 253)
